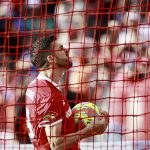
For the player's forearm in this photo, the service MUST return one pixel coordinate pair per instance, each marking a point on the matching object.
(71, 139)
(66, 142)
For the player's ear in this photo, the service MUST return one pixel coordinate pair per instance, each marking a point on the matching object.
(50, 59)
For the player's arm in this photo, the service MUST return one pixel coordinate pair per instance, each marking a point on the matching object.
(59, 142)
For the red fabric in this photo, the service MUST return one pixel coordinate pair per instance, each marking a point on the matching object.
(46, 105)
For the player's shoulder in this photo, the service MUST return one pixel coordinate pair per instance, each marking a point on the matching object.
(34, 88)
(36, 83)
(40, 86)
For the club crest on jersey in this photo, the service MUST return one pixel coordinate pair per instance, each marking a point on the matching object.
(50, 116)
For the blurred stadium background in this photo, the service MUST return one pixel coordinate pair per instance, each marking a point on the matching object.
(109, 42)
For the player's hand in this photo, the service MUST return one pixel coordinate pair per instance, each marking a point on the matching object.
(100, 123)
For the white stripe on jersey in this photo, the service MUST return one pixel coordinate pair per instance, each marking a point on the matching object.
(52, 124)
(30, 94)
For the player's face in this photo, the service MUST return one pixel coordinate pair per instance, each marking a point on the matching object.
(61, 55)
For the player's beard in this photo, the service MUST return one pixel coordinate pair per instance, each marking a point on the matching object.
(64, 64)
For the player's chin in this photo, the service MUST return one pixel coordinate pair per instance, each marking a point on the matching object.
(69, 65)
(66, 65)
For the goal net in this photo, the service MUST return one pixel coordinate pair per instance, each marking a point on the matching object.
(109, 47)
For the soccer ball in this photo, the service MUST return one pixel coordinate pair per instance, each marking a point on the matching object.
(84, 113)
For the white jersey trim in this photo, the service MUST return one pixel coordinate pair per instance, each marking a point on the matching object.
(42, 77)
(30, 94)
(52, 124)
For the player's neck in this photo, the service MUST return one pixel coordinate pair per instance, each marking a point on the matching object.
(55, 76)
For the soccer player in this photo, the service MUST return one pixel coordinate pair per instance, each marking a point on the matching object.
(49, 117)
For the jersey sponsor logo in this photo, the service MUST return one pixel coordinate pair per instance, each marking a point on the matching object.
(30, 94)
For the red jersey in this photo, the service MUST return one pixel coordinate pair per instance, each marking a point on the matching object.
(45, 105)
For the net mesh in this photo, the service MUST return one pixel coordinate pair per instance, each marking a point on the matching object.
(109, 46)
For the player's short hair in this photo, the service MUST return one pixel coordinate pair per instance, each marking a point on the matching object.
(40, 50)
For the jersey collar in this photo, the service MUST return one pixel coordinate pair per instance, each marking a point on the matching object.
(42, 77)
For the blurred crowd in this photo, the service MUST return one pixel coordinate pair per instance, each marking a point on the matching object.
(109, 46)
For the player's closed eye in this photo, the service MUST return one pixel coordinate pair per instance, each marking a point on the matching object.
(66, 50)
